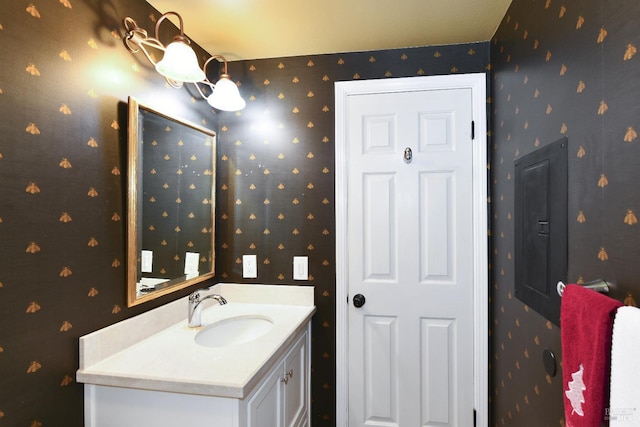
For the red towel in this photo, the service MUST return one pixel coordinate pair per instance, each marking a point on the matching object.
(586, 323)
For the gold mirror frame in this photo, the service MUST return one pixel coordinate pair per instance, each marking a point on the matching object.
(135, 170)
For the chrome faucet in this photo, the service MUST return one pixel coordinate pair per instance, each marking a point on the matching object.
(195, 306)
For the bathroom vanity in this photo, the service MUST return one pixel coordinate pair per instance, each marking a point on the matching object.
(247, 365)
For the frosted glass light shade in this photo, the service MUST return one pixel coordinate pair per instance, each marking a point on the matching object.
(226, 96)
(180, 63)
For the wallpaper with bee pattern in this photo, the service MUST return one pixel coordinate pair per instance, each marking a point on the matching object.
(562, 68)
(64, 83)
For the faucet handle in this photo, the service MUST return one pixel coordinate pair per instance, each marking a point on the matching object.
(195, 295)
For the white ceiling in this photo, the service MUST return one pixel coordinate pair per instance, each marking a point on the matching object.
(251, 29)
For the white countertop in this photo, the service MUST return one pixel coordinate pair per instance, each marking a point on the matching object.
(157, 351)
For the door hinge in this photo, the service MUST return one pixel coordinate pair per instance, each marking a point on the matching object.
(473, 130)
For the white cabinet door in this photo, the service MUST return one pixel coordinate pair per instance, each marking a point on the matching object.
(295, 389)
(265, 406)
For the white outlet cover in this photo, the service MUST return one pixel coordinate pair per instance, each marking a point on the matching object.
(249, 266)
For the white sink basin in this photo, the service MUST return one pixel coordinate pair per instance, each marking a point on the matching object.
(232, 331)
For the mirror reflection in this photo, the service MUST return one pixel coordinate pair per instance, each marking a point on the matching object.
(171, 183)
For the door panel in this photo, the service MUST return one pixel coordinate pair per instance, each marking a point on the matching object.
(438, 354)
(437, 256)
(436, 131)
(379, 232)
(381, 370)
(379, 133)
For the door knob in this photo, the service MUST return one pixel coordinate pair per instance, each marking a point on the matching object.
(358, 300)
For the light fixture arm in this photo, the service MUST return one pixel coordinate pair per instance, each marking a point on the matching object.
(180, 37)
(136, 39)
(205, 82)
(224, 66)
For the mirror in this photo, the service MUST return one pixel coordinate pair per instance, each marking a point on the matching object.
(171, 186)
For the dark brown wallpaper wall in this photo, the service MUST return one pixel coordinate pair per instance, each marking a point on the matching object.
(562, 69)
(63, 84)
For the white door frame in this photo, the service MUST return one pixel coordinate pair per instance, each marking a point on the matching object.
(477, 83)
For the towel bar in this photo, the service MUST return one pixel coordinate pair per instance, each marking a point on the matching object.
(598, 285)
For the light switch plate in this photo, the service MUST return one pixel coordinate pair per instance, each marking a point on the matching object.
(300, 268)
(249, 267)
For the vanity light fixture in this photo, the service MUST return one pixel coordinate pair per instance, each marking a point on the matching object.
(179, 63)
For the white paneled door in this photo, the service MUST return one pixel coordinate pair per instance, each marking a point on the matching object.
(410, 273)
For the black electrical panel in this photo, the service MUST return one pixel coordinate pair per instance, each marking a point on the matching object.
(541, 238)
